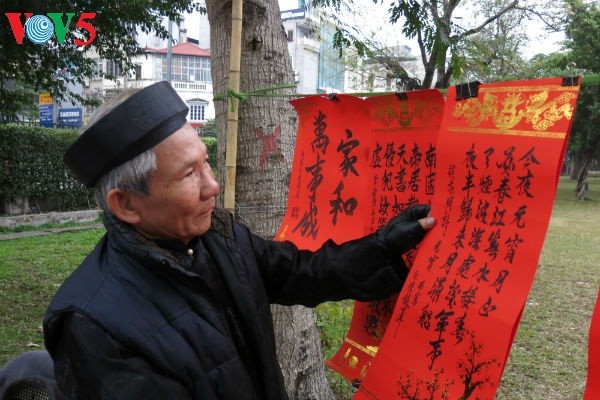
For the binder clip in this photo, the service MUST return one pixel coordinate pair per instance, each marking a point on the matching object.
(401, 96)
(570, 80)
(467, 90)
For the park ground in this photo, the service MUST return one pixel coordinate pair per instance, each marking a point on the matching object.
(548, 359)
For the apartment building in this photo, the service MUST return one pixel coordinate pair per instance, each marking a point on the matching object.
(189, 71)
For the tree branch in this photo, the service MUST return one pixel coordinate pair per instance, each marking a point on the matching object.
(491, 19)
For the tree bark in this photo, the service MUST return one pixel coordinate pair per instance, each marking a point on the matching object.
(574, 168)
(266, 139)
(582, 180)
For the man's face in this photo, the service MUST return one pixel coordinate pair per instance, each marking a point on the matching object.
(182, 190)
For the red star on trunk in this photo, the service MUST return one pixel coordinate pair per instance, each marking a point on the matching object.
(269, 144)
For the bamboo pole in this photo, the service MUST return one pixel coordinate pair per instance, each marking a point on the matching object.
(233, 105)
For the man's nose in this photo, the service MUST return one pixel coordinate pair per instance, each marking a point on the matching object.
(211, 188)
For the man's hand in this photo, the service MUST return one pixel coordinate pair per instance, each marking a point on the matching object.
(403, 232)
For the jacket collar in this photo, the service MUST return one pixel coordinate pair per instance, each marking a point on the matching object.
(125, 239)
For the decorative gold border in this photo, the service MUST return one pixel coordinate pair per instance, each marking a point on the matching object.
(522, 89)
(515, 132)
(370, 350)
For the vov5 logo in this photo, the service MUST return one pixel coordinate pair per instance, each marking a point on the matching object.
(40, 28)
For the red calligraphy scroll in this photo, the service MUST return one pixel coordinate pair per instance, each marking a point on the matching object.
(497, 166)
(592, 390)
(402, 162)
(350, 176)
(327, 197)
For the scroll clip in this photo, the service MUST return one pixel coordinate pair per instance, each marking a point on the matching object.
(570, 80)
(467, 90)
(402, 96)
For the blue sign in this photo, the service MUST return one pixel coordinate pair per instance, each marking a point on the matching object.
(46, 117)
(71, 117)
(292, 14)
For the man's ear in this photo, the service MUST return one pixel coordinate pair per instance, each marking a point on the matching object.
(122, 205)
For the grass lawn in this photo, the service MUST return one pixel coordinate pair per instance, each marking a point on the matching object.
(548, 359)
(31, 270)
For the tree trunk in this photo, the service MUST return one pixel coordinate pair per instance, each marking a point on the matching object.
(442, 79)
(574, 168)
(582, 180)
(300, 355)
(428, 63)
(266, 138)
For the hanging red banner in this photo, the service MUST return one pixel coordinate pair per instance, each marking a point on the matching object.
(402, 160)
(327, 197)
(350, 176)
(592, 389)
(498, 160)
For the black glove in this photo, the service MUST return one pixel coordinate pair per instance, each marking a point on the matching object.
(403, 232)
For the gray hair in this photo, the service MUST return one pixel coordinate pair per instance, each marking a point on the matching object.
(132, 175)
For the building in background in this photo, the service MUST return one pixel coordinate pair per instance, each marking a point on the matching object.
(301, 28)
(190, 73)
(318, 67)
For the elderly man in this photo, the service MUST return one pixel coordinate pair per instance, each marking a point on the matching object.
(173, 303)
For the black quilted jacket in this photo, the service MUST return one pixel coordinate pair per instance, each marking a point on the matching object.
(136, 321)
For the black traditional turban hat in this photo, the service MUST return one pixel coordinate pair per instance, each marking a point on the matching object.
(134, 126)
